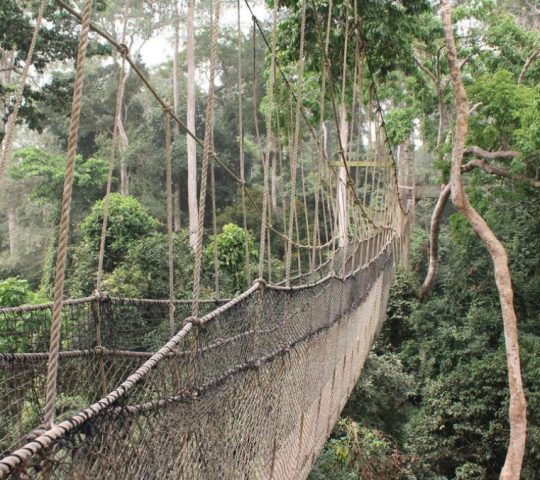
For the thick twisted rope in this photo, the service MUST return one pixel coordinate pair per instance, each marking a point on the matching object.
(11, 127)
(52, 370)
(205, 160)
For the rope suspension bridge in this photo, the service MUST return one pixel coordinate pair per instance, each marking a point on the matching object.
(207, 388)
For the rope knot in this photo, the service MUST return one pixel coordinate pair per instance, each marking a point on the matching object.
(100, 350)
(101, 296)
(195, 321)
(261, 282)
(122, 49)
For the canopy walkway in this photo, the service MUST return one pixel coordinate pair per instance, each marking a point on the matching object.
(246, 388)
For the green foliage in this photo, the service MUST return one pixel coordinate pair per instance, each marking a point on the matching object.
(401, 303)
(46, 171)
(57, 41)
(381, 398)
(144, 270)
(358, 453)
(16, 291)
(128, 222)
(399, 124)
(231, 245)
(508, 114)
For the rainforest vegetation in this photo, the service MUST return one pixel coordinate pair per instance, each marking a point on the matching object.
(434, 398)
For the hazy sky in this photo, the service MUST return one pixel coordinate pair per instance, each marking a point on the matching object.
(160, 48)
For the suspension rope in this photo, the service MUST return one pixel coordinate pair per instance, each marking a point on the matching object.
(294, 153)
(12, 121)
(209, 125)
(349, 182)
(267, 153)
(114, 144)
(136, 69)
(52, 369)
(170, 234)
(247, 266)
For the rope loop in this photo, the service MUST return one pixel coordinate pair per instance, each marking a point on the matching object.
(195, 321)
(122, 49)
(102, 296)
(261, 282)
(100, 350)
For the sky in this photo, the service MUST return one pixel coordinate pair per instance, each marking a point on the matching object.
(160, 47)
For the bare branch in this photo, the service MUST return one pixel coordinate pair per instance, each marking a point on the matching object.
(475, 107)
(434, 242)
(485, 154)
(424, 69)
(527, 65)
(497, 170)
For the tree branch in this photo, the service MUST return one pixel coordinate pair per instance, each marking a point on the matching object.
(527, 65)
(487, 155)
(424, 69)
(434, 242)
(518, 405)
(497, 170)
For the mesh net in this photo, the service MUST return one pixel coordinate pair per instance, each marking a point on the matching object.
(252, 392)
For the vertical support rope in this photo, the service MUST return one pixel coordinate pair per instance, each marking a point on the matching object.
(170, 235)
(214, 221)
(268, 150)
(52, 369)
(294, 153)
(247, 266)
(12, 121)
(205, 160)
(114, 144)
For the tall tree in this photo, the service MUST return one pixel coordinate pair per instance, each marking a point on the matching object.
(193, 210)
(518, 405)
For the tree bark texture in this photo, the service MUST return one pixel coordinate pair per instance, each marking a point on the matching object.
(176, 103)
(518, 407)
(434, 242)
(193, 210)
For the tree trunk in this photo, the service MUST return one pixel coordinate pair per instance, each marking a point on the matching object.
(177, 220)
(440, 99)
(406, 184)
(124, 140)
(342, 180)
(191, 145)
(176, 103)
(273, 175)
(434, 242)
(518, 407)
(12, 228)
(6, 64)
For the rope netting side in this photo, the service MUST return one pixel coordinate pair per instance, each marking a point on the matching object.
(226, 407)
(61, 255)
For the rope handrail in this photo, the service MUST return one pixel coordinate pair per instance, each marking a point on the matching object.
(103, 296)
